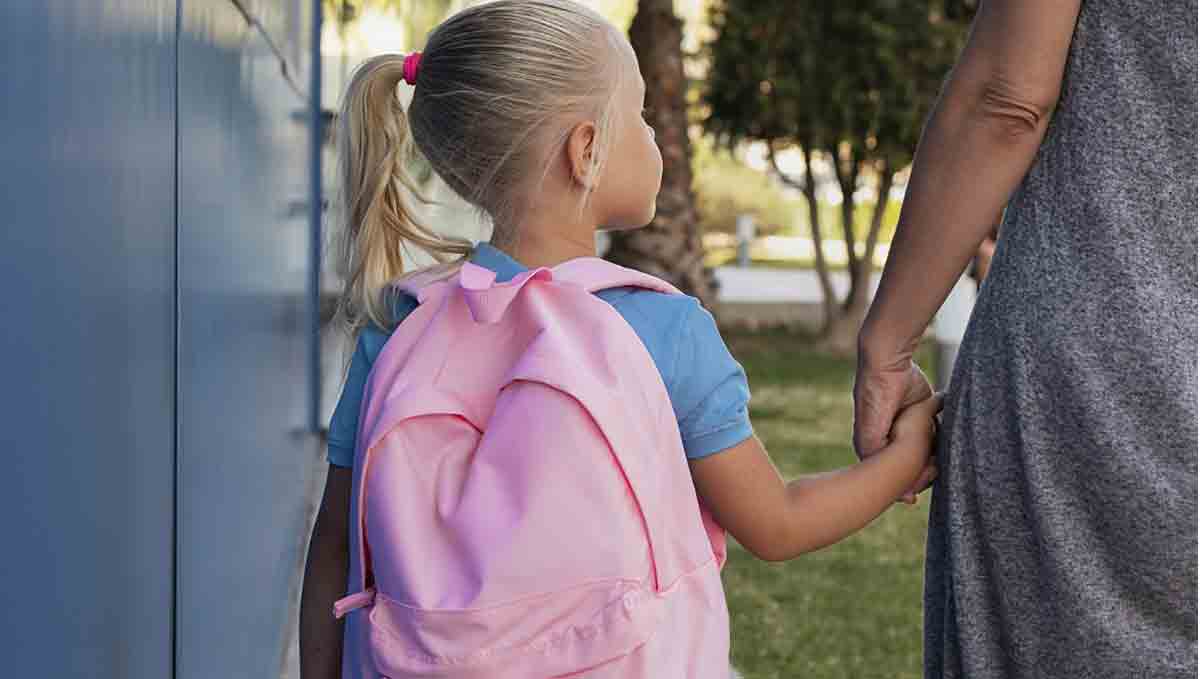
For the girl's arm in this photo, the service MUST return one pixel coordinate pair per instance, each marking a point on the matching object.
(325, 580)
(778, 521)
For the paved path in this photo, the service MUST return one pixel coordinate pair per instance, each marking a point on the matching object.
(779, 285)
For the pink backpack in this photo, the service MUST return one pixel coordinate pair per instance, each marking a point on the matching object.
(522, 505)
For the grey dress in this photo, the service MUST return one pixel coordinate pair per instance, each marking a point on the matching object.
(1062, 537)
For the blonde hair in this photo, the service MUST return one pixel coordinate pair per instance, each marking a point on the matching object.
(498, 89)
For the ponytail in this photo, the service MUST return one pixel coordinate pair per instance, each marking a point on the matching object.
(377, 190)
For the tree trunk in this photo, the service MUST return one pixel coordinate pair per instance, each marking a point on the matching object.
(670, 246)
(847, 170)
(843, 336)
(808, 188)
(886, 177)
(828, 297)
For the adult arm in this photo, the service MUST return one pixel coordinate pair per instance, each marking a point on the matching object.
(979, 142)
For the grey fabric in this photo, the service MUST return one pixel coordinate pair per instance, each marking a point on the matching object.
(1062, 538)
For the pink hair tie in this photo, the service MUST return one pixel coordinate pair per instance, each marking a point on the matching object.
(411, 63)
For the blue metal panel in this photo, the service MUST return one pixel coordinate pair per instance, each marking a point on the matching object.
(87, 127)
(248, 465)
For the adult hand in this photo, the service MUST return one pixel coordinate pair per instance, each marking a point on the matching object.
(882, 388)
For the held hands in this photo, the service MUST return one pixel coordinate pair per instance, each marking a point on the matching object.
(919, 423)
(881, 392)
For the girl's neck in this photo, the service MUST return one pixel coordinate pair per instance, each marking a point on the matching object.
(534, 250)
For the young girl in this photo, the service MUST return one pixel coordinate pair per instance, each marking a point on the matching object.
(532, 111)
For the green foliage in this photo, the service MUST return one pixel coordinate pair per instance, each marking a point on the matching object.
(726, 188)
(849, 81)
(831, 230)
(862, 220)
(855, 76)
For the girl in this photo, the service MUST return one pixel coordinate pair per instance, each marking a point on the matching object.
(532, 111)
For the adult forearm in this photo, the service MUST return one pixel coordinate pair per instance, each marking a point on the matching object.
(977, 146)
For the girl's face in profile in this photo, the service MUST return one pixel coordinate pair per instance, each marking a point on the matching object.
(628, 188)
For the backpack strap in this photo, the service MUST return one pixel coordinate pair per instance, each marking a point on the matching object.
(592, 273)
(424, 284)
(596, 274)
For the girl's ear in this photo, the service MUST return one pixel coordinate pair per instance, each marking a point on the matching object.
(581, 145)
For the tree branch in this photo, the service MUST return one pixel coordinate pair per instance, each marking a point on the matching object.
(783, 176)
(886, 178)
(828, 296)
(847, 177)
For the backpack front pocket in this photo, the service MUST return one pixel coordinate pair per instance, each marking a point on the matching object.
(545, 635)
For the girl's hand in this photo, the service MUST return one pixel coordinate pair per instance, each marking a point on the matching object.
(919, 423)
(777, 520)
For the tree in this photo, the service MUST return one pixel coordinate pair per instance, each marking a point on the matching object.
(725, 189)
(670, 246)
(850, 81)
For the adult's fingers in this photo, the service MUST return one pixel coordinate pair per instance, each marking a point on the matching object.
(917, 388)
(877, 399)
(871, 428)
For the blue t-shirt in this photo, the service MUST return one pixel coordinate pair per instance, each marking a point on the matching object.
(707, 387)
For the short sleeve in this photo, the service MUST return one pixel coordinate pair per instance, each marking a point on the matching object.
(343, 426)
(708, 388)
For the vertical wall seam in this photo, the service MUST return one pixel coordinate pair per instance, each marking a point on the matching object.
(175, 409)
(316, 200)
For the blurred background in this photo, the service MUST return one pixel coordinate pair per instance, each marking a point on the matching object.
(165, 344)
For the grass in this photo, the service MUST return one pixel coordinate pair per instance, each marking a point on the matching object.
(852, 610)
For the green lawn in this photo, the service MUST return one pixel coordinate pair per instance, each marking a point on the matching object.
(852, 610)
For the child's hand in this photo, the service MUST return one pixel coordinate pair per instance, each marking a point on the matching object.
(918, 420)
(918, 423)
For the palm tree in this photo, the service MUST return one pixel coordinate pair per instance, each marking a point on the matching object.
(670, 247)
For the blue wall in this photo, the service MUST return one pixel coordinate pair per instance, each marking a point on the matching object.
(154, 270)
